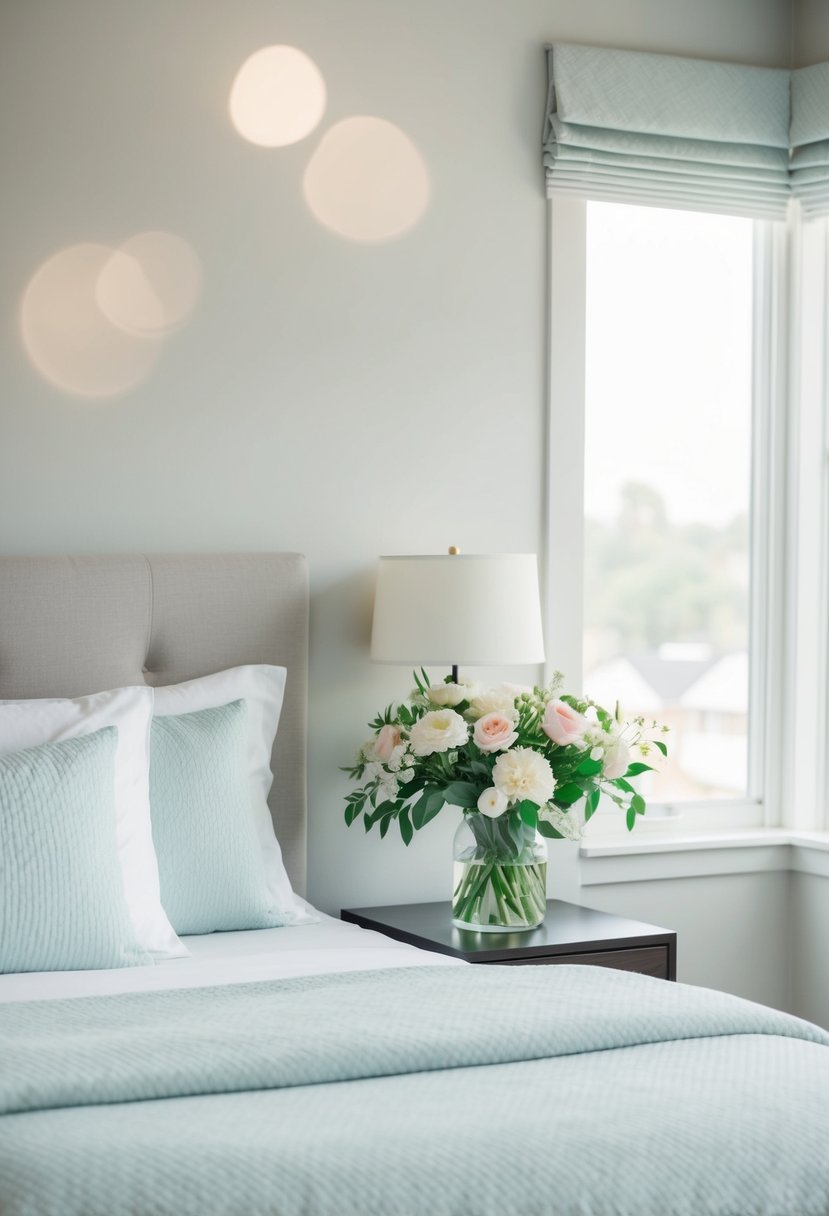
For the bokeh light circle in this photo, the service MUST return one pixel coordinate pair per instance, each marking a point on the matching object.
(367, 180)
(278, 97)
(67, 337)
(150, 284)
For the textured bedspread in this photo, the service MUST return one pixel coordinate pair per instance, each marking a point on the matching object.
(474, 1091)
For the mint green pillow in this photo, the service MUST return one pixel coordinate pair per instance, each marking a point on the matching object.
(62, 903)
(209, 857)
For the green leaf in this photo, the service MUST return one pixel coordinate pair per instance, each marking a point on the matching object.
(384, 825)
(635, 769)
(638, 804)
(353, 811)
(406, 829)
(547, 829)
(385, 808)
(589, 768)
(630, 818)
(528, 812)
(429, 804)
(658, 743)
(461, 793)
(566, 795)
(591, 805)
(621, 784)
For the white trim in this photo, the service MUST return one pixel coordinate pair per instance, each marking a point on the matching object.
(562, 563)
(752, 852)
(823, 710)
(806, 611)
(768, 518)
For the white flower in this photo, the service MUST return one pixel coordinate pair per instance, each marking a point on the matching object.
(616, 758)
(497, 700)
(405, 774)
(472, 688)
(492, 802)
(438, 731)
(389, 789)
(447, 695)
(523, 773)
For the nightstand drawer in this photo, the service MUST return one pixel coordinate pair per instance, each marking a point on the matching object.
(647, 960)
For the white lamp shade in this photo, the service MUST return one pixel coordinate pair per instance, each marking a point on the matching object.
(477, 609)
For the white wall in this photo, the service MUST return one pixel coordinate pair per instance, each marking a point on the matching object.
(340, 399)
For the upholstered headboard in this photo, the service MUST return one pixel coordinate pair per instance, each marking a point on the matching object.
(75, 625)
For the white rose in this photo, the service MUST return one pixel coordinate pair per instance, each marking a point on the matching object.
(616, 758)
(492, 803)
(438, 731)
(523, 773)
(498, 700)
(446, 695)
(472, 688)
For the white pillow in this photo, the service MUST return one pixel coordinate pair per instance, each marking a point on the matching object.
(262, 687)
(30, 723)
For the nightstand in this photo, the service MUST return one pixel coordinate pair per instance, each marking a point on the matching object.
(569, 934)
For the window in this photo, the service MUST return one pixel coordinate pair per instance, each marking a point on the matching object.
(669, 316)
(675, 554)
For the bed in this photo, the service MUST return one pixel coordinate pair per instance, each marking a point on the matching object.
(322, 1070)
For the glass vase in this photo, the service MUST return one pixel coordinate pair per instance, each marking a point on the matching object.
(500, 874)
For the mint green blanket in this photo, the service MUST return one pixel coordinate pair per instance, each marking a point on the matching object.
(437, 1091)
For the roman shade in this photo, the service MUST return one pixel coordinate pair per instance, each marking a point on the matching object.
(638, 127)
(810, 138)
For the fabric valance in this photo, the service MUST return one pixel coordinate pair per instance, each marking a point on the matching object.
(810, 138)
(673, 132)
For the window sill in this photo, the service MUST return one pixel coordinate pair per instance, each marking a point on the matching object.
(739, 852)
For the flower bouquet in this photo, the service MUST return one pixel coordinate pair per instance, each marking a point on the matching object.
(518, 762)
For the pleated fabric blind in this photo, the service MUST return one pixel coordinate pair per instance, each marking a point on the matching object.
(673, 132)
(810, 138)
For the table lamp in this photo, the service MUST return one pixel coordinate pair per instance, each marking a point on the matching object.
(476, 609)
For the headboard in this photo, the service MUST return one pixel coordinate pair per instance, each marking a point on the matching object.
(76, 625)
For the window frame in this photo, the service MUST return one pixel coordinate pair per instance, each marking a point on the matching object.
(770, 687)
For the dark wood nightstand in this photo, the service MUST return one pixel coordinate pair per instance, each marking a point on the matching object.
(570, 934)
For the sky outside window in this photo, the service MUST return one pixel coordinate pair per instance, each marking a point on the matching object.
(667, 483)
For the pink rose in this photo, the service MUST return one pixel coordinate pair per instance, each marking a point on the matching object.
(387, 740)
(494, 732)
(563, 724)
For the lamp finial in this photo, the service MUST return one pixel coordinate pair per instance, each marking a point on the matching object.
(453, 550)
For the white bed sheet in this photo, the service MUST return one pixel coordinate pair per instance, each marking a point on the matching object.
(234, 958)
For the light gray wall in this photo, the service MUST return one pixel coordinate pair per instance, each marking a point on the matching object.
(810, 32)
(809, 928)
(732, 929)
(345, 400)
